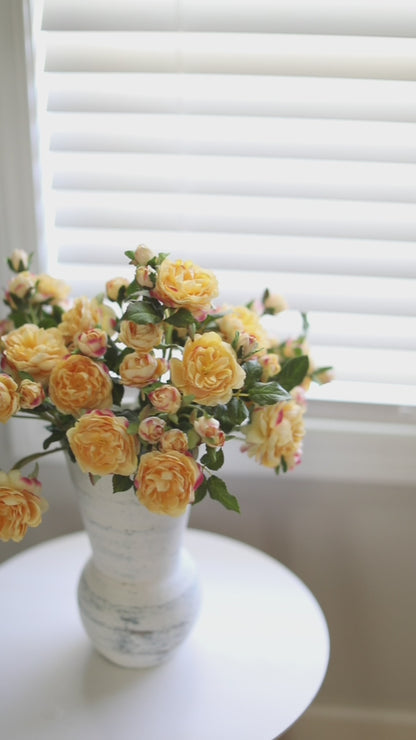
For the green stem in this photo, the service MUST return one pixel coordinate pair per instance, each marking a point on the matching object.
(30, 458)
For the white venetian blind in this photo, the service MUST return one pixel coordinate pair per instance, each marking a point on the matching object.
(273, 141)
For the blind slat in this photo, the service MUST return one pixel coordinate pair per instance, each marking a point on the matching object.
(363, 99)
(253, 54)
(246, 136)
(225, 175)
(257, 215)
(359, 17)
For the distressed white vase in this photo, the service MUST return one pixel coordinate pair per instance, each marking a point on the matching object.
(139, 593)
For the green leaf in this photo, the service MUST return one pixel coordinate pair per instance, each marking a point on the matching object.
(219, 492)
(54, 437)
(266, 394)
(201, 491)
(213, 459)
(233, 414)
(293, 372)
(117, 393)
(130, 254)
(121, 483)
(144, 312)
(181, 318)
(253, 371)
(193, 438)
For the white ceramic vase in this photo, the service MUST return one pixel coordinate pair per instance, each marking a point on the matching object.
(139, 592)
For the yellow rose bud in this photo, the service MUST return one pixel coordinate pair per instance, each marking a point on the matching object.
(101, 444)
(185, 285)
(143, 255)
(208, 370)
(138, 370)
(9, 398)
(166, 482)
(19, 260)
(77, 383)
(31, 394)
(34, 351)
(174, 439)
(275, 303)
(166, 399)
(140, 337)
(21, 505)
(112, 287)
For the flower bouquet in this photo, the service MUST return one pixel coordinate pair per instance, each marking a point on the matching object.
(146, 383)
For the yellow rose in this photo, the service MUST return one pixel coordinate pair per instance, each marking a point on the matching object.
(276, 432)
(138, 370)
(166, 481)
(102, 445)
(34, 351)
(185, 285)
(77, 383)
(86, 314)
(209, 370)
(9, 398)
(31, 394)
(141, 337)
(21, 505)
(244, 321)
(48, 287)
(174, 439)
(166, 399)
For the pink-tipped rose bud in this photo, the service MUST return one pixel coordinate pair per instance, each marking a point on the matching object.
(31, 394)
(174, 439)
(209, 431)
(151, 429)
(112, 287)
(143, 255)
(19, 260)
(271, 366)
(146, 276)
(166, 399)
(20, 286)
(92, 343)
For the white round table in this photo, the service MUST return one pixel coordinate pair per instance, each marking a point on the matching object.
(254, 662)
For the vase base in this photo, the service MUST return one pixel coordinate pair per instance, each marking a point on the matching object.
(128, 630)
